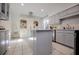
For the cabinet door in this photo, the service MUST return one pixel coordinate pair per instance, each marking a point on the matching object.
(71, 11)
(69, 39)
(7, 10)
(2, 39)
(59, 37)
(57, 21)
(0, 7)
(4, 11)
(52, 19)
(3, 8)
(6, 39)
(0, 43)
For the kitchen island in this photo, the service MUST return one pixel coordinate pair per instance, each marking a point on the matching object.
(42, 45)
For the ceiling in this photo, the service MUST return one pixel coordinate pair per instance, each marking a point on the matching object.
(39, 9)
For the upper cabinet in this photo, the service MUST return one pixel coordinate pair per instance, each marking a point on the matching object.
(4, 11)
(54, 19)
(70, 12)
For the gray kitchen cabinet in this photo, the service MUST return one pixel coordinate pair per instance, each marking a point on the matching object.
(42, 45)
(3, 41)
(69, 38)
(54, 19)
(58, 17)
(59, 37)
(65, 37)
(0, 44)
(4, 11)
(69, 12)
(72, 11)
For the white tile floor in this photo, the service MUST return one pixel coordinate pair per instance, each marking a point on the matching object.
(19, 47)
(58, 49)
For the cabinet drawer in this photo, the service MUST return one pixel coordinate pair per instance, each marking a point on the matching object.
(69, 40)
(59, 37)
(65, 37)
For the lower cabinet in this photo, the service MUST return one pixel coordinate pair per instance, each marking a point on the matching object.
(3, 41)
(65, 37)
(69, 39)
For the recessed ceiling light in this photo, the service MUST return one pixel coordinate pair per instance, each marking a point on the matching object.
(42, 10)
(22, 4)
